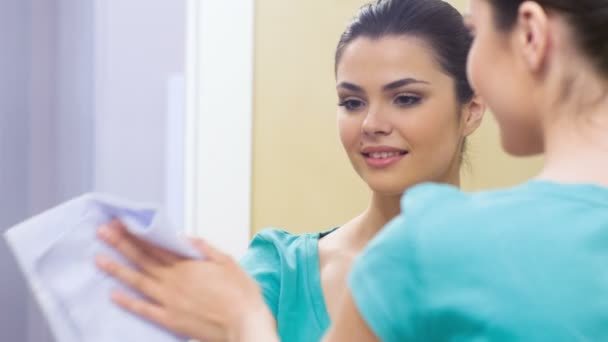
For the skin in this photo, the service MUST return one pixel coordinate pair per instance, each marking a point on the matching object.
(393, 95)
(178, 288)
(533, 61)
(554, 100)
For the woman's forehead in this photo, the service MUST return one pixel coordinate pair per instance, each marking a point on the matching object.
(391, 56)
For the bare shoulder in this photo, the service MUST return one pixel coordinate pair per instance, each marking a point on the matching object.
(336, 256)
(338, 245)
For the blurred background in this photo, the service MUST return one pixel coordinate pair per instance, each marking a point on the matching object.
(92, 99)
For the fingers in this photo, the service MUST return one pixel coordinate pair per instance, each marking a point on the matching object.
(188, 326)
(209, 251)
(164, 256)
(138, 281)
(143, 308)
(116, 224)
(161, 254)
(130, 248)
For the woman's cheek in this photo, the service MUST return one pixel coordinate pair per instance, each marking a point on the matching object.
(349, 132)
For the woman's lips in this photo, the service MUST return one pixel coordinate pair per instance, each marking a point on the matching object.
(382, 157)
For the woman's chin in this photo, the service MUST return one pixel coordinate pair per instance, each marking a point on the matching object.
(386, 187)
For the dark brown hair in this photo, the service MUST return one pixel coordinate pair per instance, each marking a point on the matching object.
(435, 21)
(588, 18)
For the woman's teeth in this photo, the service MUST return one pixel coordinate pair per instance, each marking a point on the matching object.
(384, 155)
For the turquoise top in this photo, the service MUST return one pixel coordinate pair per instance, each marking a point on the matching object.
(523, 264)
(286, 267)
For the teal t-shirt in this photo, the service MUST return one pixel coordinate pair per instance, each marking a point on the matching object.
(286, 267)
(523, 264)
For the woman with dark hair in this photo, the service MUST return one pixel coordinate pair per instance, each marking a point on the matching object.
(404, 110)
(522, 264)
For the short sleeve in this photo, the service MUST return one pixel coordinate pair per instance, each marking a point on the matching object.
(263, 262)
(387, 281)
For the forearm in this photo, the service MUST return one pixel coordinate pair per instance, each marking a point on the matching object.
(260, 334)
(257, 326)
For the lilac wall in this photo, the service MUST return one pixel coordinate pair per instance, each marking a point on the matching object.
(83, 106)
(135, 60)
(14, 147)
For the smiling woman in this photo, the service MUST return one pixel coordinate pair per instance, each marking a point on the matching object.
(404, 111)
(295, 154)
(392, 91)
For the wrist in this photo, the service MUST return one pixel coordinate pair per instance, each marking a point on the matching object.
(257, 324)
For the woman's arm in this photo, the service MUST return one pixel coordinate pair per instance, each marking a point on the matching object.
(259, 327)
(211, 300)
(349, 325)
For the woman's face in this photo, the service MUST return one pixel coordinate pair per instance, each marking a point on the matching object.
(501, 77)
(398, 115)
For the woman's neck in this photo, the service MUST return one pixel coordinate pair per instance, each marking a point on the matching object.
(576, 144)
(381, 210)
(384, 207)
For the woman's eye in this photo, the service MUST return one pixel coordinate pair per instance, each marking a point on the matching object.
(351, 105)
(406, 100)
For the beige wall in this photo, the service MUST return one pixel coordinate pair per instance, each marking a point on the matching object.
(302, 180)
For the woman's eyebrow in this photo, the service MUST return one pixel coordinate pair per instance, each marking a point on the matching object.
(350, 86)
(403, 82)
(390, 86)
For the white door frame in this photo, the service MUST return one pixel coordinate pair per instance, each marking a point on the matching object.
(219, 106)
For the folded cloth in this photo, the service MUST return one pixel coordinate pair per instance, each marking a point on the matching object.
(56, 252)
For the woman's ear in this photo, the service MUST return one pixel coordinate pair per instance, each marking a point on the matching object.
(532, 34)
(472, 114)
